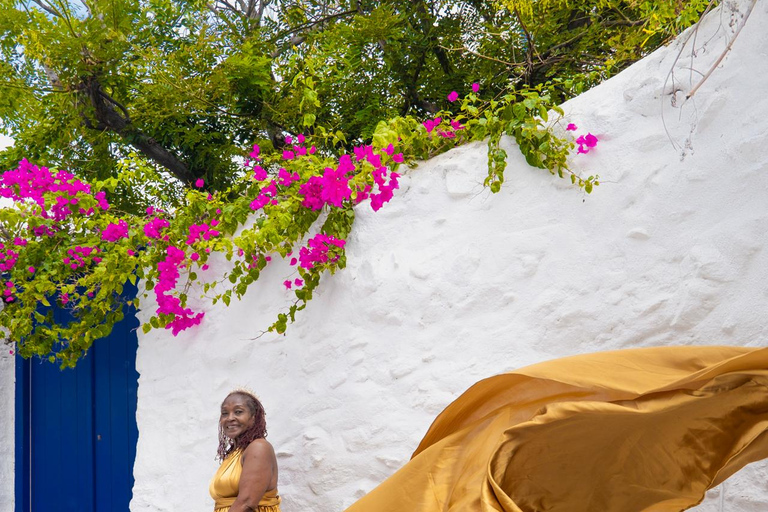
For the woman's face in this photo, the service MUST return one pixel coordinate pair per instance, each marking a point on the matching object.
(235, 416)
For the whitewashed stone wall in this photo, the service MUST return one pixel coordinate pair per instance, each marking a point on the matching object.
(7, 416)
(7, 444)
(449, 284)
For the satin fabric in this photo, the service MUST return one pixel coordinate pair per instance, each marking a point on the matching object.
(632, 430)
(225, 485)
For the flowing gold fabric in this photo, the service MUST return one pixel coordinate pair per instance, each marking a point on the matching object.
(626, 431)
(225, 485)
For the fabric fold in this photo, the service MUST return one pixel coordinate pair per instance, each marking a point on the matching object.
(633, 430)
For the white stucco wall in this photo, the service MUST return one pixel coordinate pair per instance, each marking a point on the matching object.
(448, 284)
(7, 445)
(7, 401)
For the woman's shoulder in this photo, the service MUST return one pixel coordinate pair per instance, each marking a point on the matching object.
(259, 448)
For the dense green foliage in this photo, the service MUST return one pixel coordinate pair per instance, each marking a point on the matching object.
(188, 85)
(141, 99)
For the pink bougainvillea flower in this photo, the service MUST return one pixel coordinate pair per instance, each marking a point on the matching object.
(298, 282)
(389, 149)
(31, 270)
(286, 178)
(271, 189)
(362, 152)
(475, 87)
(398, 158)
(260, 202)
(571, 127)
(255, 153)
(374, 159)
(316, 250)
(194, 256)
(205, 267)
(335, 185)
(287, 283)
(289, 139)
(152, 228)
(312, 150)
(312, 191)
(300, 138)
(115, 232)
(453, 96)
(362, 194)
(200, 183)
(586, 142)
(293, 261)
(259, 174)
(288, 155)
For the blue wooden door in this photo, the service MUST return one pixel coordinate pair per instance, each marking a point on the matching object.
(76, 428)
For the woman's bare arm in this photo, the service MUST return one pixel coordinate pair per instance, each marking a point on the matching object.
(258, 472)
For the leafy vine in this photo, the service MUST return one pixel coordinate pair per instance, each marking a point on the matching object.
(64, 245)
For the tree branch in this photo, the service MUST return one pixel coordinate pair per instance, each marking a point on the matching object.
(486, 57)
(47, 8)
(309, 27)
(109, 118)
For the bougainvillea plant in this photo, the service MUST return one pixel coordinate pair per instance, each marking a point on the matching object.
(63, 243)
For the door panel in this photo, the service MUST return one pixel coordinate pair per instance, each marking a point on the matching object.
(76, 428)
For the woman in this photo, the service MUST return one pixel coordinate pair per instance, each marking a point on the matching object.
(247, 478)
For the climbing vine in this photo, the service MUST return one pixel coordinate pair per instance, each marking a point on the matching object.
(65, 246)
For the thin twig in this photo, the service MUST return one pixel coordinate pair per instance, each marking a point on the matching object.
(725, 52)
(671, 73)
(473, 52)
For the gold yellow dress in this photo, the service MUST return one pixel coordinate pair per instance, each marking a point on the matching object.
(226, 484)
(646, 430)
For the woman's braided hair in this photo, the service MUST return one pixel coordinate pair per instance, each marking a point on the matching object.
(256, 431)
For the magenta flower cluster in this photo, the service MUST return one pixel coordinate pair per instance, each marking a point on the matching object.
(29, 182)
(202, 231)
(115, 232)
(153, 229)
(8, 257)
(167, 303)
(317, 249)
(8, 291)
(585, 142)
(332, 188)
(79, 256)
(447, 132)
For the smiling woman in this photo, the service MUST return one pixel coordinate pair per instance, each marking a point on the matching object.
(247, 478)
